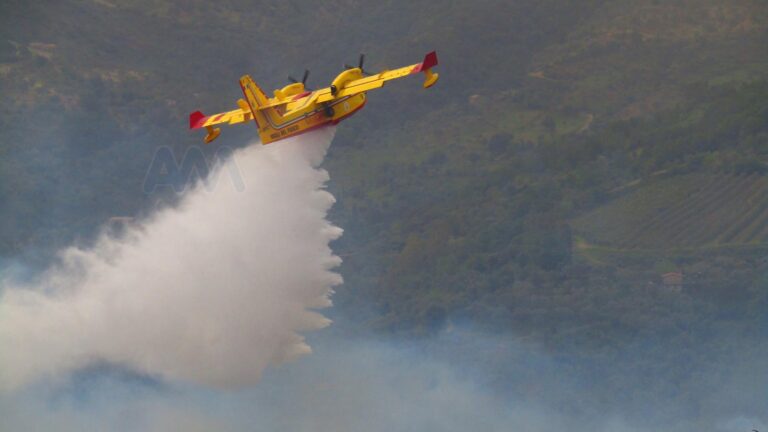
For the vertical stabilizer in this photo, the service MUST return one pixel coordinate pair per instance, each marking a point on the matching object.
(253, 93)
(266, 117)
(255, 100)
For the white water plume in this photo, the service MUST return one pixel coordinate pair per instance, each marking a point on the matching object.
(211, 291)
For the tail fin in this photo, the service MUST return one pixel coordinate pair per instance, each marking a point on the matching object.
(253, 93)
(256, 101)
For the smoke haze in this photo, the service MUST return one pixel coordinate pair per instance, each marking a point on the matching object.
(170, 326)
(347, 385)
(211, 291)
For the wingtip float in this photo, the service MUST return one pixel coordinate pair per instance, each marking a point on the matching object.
(295, 109)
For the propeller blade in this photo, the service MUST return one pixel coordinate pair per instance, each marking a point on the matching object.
(292, 79)
(306, 75)
(360, 63)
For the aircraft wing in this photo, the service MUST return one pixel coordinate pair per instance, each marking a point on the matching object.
(199, 120)
(375, 81)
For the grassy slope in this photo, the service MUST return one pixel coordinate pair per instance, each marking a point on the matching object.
(456, 202)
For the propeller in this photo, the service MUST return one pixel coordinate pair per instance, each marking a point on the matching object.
(359, 65)
(303, 79)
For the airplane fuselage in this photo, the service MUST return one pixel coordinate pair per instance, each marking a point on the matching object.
(305, 115)
(294, 110)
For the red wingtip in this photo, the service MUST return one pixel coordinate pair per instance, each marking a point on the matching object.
(196, 120)
(430, 60)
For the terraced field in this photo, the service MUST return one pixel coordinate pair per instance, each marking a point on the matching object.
(683, 212)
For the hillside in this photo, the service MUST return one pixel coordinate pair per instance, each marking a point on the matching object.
(694, 211)
(571, 154)
(570, 106)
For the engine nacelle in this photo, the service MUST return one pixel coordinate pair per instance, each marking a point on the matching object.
(289, 90)
(343, 78)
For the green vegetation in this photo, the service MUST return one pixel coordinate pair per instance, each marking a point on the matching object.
(571, 153)
(687, 211)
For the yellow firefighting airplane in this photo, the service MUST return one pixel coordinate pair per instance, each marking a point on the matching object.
(295, 110)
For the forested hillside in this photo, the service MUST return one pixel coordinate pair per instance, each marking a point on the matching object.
(572, 153)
